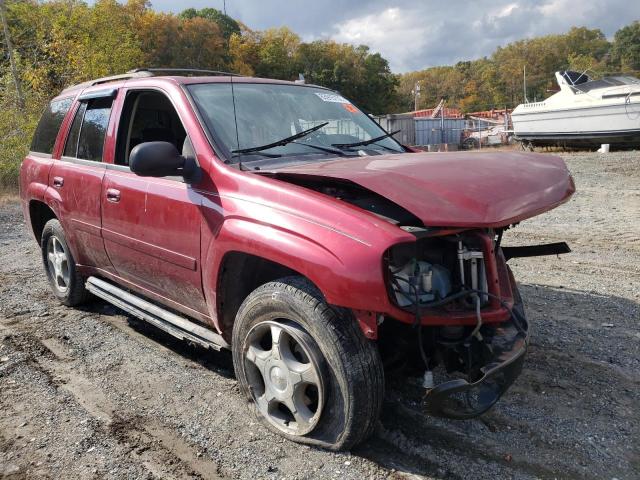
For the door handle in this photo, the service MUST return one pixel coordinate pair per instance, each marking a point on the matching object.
(113, 195)
(58, 182)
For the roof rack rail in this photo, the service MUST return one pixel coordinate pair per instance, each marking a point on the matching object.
(180, 71)
(147, 72)
(123, 76)
(111, 78)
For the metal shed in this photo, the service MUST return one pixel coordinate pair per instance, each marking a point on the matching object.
(402, 122)
(430, 131)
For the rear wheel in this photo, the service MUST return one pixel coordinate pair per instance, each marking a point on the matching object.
(307, 369)
(66, 282)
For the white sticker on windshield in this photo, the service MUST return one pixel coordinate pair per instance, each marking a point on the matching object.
(332, 97)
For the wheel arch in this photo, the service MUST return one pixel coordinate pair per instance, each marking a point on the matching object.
(39, 214)
(239, 274)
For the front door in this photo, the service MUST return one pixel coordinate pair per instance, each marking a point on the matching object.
(151, 226)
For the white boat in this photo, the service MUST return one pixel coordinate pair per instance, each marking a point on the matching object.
(584, 112)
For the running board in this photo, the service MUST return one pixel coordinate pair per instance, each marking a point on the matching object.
(157, 316)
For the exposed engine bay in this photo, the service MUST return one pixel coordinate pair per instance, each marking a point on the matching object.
(433, 268)
(450, 273)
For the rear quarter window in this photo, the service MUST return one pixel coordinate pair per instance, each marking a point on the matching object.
(47, 130)
(86, 136)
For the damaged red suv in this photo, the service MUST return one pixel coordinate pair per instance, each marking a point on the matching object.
(278, 220)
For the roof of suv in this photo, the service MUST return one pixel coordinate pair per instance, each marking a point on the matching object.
(181, 76)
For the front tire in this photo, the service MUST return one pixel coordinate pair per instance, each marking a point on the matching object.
(65, 280)
(306, 368)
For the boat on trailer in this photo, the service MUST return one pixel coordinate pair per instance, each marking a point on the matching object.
(583, 113)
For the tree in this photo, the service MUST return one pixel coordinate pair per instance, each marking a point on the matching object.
(227, 25)
(10, 53)
(170, 41)
(626, 48)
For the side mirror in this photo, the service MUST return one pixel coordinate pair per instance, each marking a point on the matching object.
(161, 159)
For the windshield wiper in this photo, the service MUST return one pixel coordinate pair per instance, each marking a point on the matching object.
(337, 151)
(282, 142)
(365, 142)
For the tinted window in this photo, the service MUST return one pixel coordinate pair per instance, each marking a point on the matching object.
(87, 134)
(47, 130)
(71, 147)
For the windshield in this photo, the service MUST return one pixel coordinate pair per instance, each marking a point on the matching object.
(320, 121)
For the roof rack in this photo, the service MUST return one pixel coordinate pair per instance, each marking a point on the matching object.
(149, 72)
(180, 71)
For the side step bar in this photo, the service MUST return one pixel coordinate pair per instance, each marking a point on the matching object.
(165, 320)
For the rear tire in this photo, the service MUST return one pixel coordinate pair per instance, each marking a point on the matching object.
(350, 378)
(65, 280)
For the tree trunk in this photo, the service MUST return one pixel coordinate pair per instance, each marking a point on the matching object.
(12, 61)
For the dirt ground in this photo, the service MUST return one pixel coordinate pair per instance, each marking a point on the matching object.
(92, 393)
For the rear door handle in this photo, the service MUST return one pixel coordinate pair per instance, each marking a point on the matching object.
(58, 182)
(113, 195)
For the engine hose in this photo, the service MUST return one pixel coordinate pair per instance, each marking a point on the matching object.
(519, 321)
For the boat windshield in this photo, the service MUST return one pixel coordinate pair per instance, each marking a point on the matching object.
(607, 82)
(283, 120)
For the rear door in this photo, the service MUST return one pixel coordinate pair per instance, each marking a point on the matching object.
(151, 226)
(77, 178)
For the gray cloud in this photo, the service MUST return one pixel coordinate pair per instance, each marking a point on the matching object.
(414, 34)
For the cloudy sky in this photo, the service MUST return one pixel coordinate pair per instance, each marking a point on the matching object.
(414, 34)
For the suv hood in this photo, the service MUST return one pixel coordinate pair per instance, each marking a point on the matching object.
(461, 189)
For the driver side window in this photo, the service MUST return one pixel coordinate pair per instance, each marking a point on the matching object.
(149, 116)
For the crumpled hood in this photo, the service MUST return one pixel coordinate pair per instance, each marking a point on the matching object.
(457, 189)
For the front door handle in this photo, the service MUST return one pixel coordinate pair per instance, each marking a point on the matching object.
(113, 195)
(58, 182)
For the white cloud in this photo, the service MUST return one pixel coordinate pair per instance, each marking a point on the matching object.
(394, 32)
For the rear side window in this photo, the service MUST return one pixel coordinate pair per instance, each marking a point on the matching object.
(88, 131)
(49, 124)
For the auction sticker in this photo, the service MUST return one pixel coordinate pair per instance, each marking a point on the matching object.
(332, 97)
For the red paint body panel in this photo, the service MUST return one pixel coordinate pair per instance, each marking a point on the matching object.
(461, 189)
(167, 240)
(79, 208)
(152, 235)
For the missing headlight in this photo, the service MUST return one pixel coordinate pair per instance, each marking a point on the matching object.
(435, 268)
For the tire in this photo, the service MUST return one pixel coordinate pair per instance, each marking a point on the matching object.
(68, 287)
(470, 143)
(347, 403)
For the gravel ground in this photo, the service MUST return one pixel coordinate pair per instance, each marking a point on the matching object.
(92, 393)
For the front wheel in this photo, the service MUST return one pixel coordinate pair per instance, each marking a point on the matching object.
(306, 368)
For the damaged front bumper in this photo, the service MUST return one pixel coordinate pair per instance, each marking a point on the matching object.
(464, 399)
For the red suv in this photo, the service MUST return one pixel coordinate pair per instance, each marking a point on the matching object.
(280, 221)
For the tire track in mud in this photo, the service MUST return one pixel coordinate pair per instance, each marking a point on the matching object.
(162, 453)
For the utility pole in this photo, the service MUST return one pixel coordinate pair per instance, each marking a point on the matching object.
(224, 6)
(524, 83)
(416, 94)
(12, 61)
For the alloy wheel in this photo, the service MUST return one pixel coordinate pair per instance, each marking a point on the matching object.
(58, 263)
(282, 369)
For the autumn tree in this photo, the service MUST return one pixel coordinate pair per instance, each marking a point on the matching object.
(626, 48)
(227, 25)
(170, 41)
